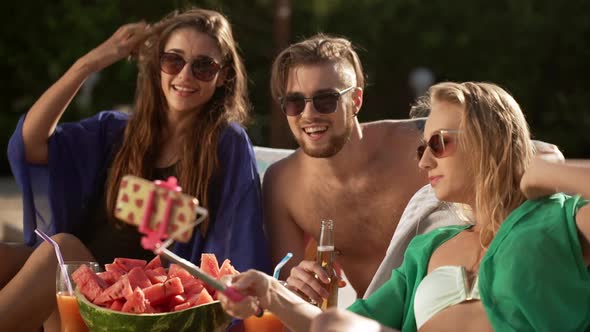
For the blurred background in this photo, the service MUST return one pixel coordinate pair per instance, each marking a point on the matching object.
(536, 49)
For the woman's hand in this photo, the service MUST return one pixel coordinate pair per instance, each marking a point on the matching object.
(548, 151)
(124, 42)
(255, 286)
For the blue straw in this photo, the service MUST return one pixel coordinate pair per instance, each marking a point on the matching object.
(279, 266)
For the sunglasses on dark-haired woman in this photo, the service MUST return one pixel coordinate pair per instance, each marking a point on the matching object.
(203, 68)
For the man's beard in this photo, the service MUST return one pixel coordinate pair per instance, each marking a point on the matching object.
(335, 145)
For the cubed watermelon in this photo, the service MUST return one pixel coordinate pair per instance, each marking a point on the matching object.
(129, 263)
(119, 290)
(90, 284)
(210, 265)
(136, 303)
(109, 277)
(178, 271)
(177, 299)
(157, 275)
(138, 278)
(201, 298)
(156, 293)
(173, 286)
(194, 286)
(154, 263)
(182, 306)
(116, 305)
(114, 268)
(227, 269)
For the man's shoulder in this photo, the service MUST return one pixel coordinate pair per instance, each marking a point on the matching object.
(408, 129)
(391, 125)
(284, 169)
(389, 139)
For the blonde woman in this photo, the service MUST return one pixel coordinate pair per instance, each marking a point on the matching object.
(522, 265)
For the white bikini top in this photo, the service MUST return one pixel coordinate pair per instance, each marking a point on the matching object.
(442, 288)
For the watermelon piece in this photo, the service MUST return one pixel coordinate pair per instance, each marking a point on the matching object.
(136, 303)
(154, 263)
(210, 265)
(138, 278)
(157, 275)
(194, 286)
(129, 263)
(202, 298)
(182, 306)
(227, 269)
(114, 268)
(177, 299)
(176, 270)
(116, 305)
(119, 290)
(159, 293)
(149, 309)
(173, 286)
(89, 283)
(155, 294)
(91, 290)
(109, 277)
(84, 275)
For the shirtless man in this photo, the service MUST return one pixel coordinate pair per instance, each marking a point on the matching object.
(359, 175)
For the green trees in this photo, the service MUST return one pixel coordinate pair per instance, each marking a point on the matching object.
(537, 49)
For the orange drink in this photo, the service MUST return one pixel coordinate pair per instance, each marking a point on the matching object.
(71, 321)
(267, 323)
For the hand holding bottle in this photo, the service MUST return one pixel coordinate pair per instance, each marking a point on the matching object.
(310, 280)
(318, 281)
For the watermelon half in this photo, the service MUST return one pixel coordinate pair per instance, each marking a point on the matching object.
(206, 317)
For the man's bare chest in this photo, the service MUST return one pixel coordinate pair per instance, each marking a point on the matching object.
(364, 219)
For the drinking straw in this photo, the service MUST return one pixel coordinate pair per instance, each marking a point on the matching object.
(60, 258)
(279, 266)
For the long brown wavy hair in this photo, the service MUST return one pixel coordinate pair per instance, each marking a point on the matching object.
(198, 160)
(496, 136)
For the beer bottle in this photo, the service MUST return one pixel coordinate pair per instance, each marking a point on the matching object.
(325, 257)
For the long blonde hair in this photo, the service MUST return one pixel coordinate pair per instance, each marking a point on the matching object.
(496, 136)
(198, 152)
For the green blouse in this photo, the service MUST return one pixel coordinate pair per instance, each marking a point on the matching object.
(532, 278)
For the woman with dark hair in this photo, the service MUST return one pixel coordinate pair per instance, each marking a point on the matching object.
(190, 105)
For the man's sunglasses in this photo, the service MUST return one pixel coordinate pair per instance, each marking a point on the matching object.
(323, 102)
(442, 143)
(204, 68)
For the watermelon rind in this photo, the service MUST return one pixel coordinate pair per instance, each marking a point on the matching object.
(206, 317)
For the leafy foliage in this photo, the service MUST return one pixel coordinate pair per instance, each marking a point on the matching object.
(537, 49)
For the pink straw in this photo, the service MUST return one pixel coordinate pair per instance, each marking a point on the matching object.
(60, 258)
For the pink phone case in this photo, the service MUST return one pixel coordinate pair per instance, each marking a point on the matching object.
(132, 205)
